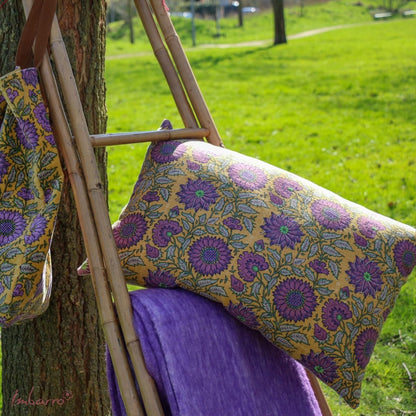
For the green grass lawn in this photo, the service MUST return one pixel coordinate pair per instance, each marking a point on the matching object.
(338, 109)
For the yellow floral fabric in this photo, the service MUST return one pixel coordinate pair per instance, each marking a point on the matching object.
(315, 274)
(30, 189)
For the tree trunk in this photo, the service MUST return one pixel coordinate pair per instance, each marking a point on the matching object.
(240, 13)
(55, 364)
(279, 22)
(130, 20)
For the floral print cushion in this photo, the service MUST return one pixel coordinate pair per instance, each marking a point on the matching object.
(317, 275)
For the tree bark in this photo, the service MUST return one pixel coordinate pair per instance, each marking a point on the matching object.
(240, 13)
(130, 20)
(279, 22)
(55, 364)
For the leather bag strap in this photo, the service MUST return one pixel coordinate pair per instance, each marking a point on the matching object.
(35, 34)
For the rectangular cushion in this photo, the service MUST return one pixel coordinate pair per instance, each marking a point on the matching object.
(315, 274)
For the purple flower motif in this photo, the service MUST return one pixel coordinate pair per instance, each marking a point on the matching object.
(152, 252)
(259, 245)
(12, 94)
(386, 313)
(18, 290)
(203, 156)
(174, 212)
(193, 166)
(285, 187)
(247, 176)
(26, 194)
(30, 76)
(166, 125)
(12, 225)
(250, 264)
(209, 255)
(2, 99)
(330, 214)
(37, 229)
(129, 230)
(151, 196)
(165, 152)
(243, 314)
(48, 195)
(50, 139)
(364, 346)
(369, 227)
(42, 117)
(344, 293)
(163, 231)
(360, 241)
(333, 313)
(237, 285)
(197, 194)
(321, 365)
(233, 223)
(4, 166)
(405, 257)
(294, 299)
(27, 134)
(319, 333)
(365, 275)
(40, 286)
(160, 278)
(283, 231)
(276, 200)
(319, 266)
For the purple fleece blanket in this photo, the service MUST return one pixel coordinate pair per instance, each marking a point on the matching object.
(205, 363)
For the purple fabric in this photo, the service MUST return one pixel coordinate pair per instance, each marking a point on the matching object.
(205, 363)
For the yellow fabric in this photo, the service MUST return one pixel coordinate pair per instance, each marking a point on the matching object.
(316, 274)
(30, 190)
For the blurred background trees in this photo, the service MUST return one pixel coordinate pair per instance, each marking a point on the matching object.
(124, 10)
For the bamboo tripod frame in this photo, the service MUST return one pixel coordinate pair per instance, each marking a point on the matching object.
(76, 148)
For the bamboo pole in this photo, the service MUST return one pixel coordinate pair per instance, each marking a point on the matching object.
(166, 64)
(102, 293)
(103, 297)
(102, 222)
(185, 71)
(114, 139)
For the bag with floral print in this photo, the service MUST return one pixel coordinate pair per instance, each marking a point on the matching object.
(30, 189)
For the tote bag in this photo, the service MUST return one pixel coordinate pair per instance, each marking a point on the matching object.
(30, 183)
